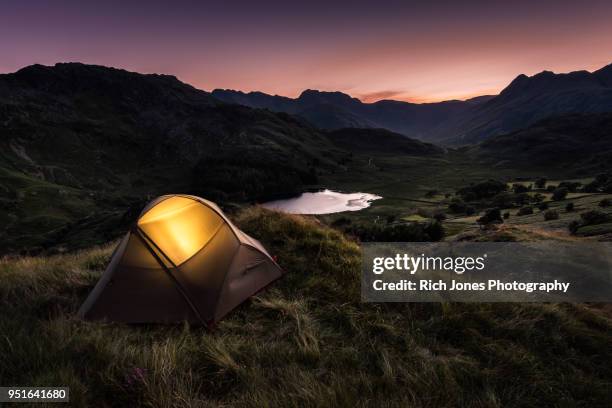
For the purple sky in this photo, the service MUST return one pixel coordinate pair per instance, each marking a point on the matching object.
(417, 51)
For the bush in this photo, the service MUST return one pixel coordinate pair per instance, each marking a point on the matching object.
(522, 199)
(551, 215)
(572, 186)
(606, 202)
(519, 188)
(540, 183)
(525, 210)
(469, 210)
(491, 216)
(485, 189)
(594, 217)
(543, 206)
(560, 194)
(602, 183)
(551, 188)
(569, 207)
(506, 215)
(573, 227)
(457, 206)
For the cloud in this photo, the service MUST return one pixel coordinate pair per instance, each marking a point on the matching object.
(379, 95)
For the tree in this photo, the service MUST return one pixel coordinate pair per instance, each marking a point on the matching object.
(543, 206)
(559, 194)
(457, 206)
(506, 215)
(594, 217)
(491, 216)
(540, 183)
(519, 188)
(569, 207)
(606, 202)
(573, 227)
(525, 210)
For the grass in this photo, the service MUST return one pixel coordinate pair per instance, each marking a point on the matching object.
(306, 341)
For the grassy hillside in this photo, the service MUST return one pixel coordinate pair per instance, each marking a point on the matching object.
(82, 145)
(305, 341)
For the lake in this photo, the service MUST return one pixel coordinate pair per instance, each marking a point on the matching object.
(323, 202)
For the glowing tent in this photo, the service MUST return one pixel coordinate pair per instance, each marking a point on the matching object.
(182, 260)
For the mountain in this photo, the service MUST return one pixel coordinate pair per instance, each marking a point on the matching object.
(581, 143)
(83, 147)
(80, 145)
(525, 101)
(336, 110)
(528, 100)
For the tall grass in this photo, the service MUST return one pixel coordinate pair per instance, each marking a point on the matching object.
(306, 341)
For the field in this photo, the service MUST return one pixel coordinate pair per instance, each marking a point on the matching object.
(307, 341)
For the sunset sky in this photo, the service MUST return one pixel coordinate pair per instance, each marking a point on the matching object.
(415, 51)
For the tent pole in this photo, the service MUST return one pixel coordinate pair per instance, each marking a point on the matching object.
(144, 238)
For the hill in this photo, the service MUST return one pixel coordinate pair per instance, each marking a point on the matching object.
(580, 142)
(81, 145)
(369, 141)
(294, 344)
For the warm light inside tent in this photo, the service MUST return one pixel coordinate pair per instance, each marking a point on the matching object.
(180, 227)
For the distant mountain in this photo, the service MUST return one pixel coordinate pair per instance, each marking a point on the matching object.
(576, 142)
(523, 102)
(528, 100)
(336, 110)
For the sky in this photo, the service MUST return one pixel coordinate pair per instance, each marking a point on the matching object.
(418, 51)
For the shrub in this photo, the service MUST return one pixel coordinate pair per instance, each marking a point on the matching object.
(573, 227)
(522, 199)
(551, 188)
(594, 217)
(469, 210)
(551, 215)
(506, 215)
(572, 186)
(569, 207)
(543, 206)
(525, 210)
(485, 189)
(457, 206)
(606, 202)
(491, 216)
(559, 193)
(540, 183)
(519, 188)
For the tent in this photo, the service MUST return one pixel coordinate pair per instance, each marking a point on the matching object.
(183, 259)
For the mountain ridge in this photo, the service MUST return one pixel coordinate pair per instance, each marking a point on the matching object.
(526, 100)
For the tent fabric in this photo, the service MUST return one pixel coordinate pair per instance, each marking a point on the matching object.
(183, 260)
